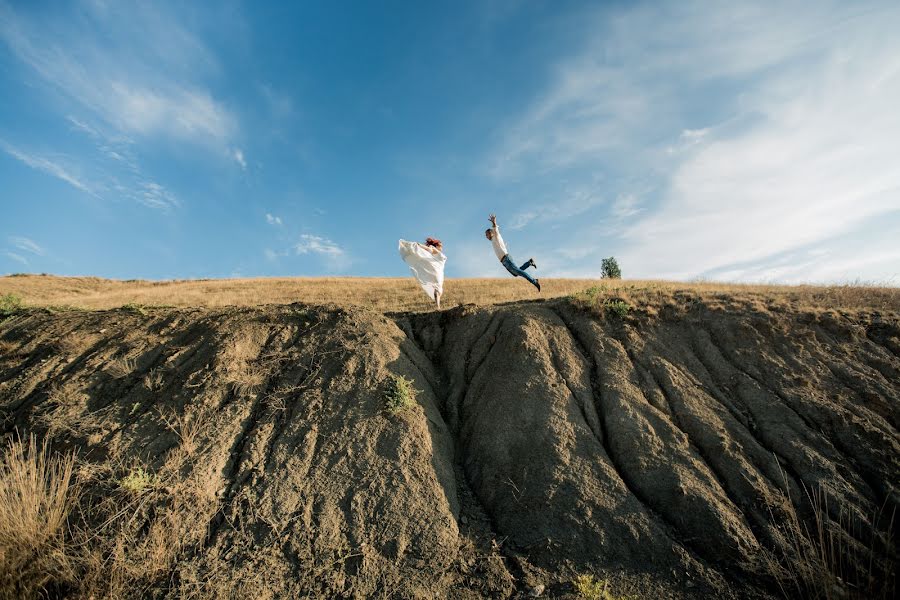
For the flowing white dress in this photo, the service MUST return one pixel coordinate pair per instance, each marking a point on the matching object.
(427, 268)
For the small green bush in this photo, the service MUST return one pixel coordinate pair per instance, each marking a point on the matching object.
(595, 589)
(593, 298)
(137, 481)
(617, 307)
(10, 304)
(135, 307)
(399, 395)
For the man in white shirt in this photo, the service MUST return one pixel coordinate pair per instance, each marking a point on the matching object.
(493, 234)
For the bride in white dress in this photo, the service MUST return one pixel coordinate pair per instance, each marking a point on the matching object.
(426, 261)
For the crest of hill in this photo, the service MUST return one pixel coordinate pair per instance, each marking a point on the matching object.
(402, 294)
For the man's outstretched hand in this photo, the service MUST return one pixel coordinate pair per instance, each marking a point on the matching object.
(493, 219)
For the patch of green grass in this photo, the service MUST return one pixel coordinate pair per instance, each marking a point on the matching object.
(58, 308)
(137, 481)
(399, 395)
(140, 309)
(595, 589)
(597, 298)
(588, 296)
(10, 304)
(616, 306)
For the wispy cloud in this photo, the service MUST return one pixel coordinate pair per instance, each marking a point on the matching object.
(317, 245)
(332, 255)
(626, 205)
(573, 202)
(17, 257)
(49, 166)
(239, 158)
(154, 195)
(138, 70)
(273, 220)
(795, 143)
(27, 245)
(688, 139)
(131, 184)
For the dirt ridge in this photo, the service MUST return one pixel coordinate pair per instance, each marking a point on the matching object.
(657, 448)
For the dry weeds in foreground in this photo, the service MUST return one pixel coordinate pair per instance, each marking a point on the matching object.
(833, 559)
(109, 532)
(36, 495)
(402, 294)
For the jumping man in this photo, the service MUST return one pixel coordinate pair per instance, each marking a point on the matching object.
(493, 234)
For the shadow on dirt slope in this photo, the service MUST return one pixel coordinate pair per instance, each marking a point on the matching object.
(666, 454)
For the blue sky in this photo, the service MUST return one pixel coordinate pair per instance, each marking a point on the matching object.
(718, 140)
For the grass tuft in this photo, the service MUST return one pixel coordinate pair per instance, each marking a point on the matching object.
(598, 298)
(36, 495)
(616, 307)
(399, 395)
(137, 481)
(135, 307)
(589, 588)
(823, 558)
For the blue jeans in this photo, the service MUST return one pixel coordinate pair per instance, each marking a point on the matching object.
(518, 271)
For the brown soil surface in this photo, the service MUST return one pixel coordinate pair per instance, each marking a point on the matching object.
(659, 449)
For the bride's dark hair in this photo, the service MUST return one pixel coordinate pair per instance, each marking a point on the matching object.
(433, 242)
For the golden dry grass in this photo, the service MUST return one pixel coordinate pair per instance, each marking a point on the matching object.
(403, 294)
(36, 495)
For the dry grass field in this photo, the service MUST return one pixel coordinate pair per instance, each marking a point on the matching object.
(402, 294)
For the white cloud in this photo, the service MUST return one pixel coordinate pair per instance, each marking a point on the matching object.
(239, 157)
(333, 257)
(27, 245)
(758, 129)
(50, 167)
(819, 160)
(176, 111)
(136, 187)
(573, 202)
(273, 220)
(688, 139)
(137, 70)
(626, 205)
(317, 245)
(17, 257)
(155, 195)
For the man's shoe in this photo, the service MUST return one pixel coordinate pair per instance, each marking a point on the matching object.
(533, 264)
(537, 282)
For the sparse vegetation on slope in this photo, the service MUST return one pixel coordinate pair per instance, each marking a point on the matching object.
(837, 554)
(10, 304)
(399, 394)
(589, 588)
(37, 492)
(667, 448)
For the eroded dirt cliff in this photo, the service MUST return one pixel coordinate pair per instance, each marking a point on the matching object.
(663, 450)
